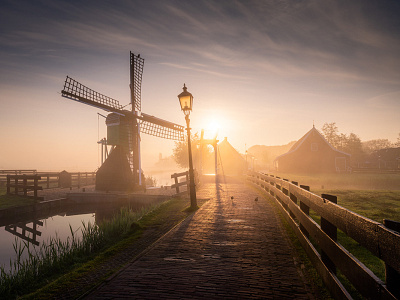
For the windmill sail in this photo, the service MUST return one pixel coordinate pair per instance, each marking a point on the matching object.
(149, 124)
(76, 91)
(160, 128)
(136, 71)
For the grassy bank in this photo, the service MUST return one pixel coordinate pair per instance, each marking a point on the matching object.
(56, 255)
(78, 277)
(346, 181)
(7, 201)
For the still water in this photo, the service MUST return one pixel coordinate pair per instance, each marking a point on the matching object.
(38, 231)
(40, 227)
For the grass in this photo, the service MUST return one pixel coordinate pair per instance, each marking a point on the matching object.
(374, 196)
(63, 279)
(7, 201)
(346, 181)
(373, 204)
(54, 256)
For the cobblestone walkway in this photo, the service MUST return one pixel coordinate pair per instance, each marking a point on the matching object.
(233, 247)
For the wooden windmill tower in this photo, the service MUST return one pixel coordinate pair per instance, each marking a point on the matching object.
(125, 126)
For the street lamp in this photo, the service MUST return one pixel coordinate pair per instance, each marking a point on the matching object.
(186, 102)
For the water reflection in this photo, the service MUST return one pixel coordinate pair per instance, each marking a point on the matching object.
(57, 222)
(27, 233)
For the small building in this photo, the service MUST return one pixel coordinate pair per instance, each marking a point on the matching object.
(313, 154)
(231, 162)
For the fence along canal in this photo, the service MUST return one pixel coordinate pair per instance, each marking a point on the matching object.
(51, 179)
(295, 202)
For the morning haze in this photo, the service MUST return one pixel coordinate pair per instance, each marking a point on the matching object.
(266, 71)
(278, 119)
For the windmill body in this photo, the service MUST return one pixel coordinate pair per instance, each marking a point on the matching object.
(124, 126)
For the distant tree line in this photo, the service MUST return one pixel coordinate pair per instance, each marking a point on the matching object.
(352, 144)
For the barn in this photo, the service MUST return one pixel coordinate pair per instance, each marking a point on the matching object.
(313, 154)
(230, 160)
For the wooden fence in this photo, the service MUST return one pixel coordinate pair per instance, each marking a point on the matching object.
(53, 179)
(182, 183)
(296, 201)
(23, 183)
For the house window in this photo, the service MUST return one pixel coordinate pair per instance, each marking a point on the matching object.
(314, 147)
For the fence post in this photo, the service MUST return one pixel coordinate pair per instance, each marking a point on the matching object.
(35, 187)
(293, 198)
(305, 209)
(16, 185)
(48, 181)
(392, 276)
(331, 231)
(176, 183)
(8, 185)
(24, 185)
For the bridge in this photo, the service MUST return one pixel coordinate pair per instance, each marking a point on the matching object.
(233, 247)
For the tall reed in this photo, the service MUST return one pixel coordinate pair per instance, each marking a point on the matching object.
(55, 255)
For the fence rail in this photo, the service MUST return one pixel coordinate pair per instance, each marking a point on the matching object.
(296, 201)
(53, 179)
(182, 183)
(29, 183)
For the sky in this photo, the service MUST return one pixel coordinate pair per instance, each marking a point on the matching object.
(263, 72)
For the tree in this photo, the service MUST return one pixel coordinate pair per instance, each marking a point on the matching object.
(330, 132)
(353, 146)
(398, 141)
(347, 143)
(375, 145)
(180, 152)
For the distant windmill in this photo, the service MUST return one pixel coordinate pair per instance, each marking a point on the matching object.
(124, 126)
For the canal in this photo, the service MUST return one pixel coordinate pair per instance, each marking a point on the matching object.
(40, 226)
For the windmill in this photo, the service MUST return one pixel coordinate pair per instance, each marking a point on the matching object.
(125, 126)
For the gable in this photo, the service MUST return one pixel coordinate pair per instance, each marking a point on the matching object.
(313, 142)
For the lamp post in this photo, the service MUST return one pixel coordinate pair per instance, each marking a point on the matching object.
(186, 102)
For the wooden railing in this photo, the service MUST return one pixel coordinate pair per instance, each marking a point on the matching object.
(296, 201)
(182, 183)
(23, 183)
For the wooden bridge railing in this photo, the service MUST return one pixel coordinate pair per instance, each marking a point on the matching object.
(296, 201)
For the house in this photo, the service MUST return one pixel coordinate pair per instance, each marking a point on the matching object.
(231, 162)
(313, 154)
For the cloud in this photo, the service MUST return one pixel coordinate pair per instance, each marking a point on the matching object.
(327, 39)
(384, 101)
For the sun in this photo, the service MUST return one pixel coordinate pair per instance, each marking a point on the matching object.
(214, 126)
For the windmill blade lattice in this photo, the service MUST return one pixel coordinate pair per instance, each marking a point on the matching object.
(136, 81)
(76, 91)
(160, 128)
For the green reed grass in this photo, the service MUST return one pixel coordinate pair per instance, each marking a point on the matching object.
(55, 255)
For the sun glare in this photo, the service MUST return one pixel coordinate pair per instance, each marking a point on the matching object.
(214, 126)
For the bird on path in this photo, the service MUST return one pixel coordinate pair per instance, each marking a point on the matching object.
(256, 199)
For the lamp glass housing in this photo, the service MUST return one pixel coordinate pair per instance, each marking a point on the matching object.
(186, 100)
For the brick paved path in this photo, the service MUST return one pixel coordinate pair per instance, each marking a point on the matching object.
(229, 249)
